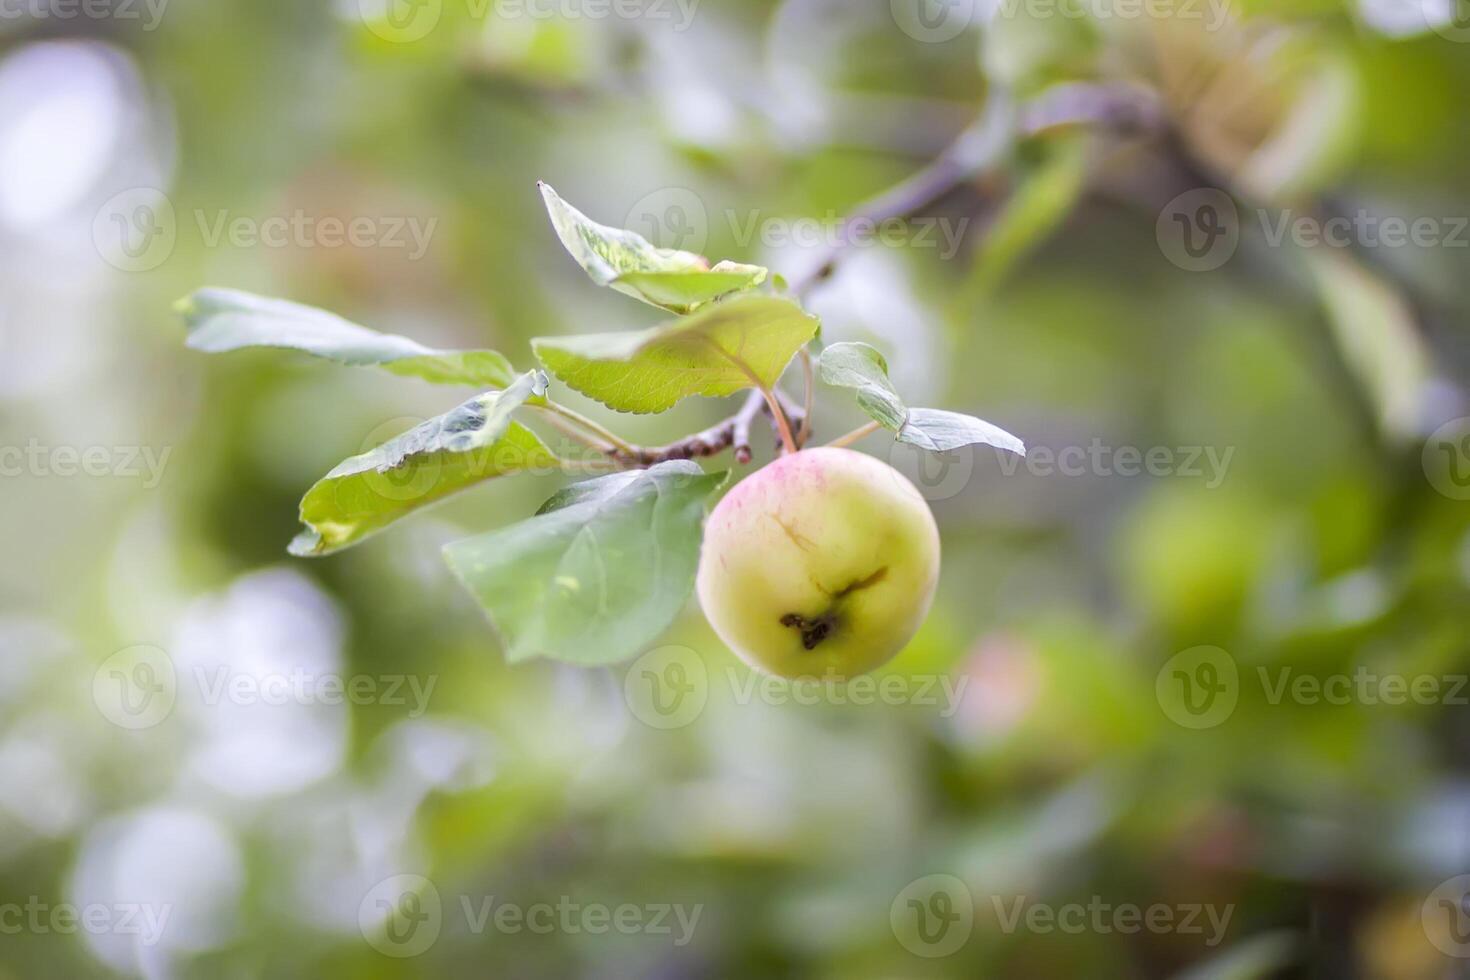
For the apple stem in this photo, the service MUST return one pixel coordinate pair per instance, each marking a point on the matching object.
(854, 435)
(805, 431)
(788, 443)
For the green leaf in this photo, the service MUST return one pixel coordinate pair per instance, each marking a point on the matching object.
(718, 351)
(863, 369)
(939, 431)
(600, 571)
(228, 319)
(474, 442)
(677, 281)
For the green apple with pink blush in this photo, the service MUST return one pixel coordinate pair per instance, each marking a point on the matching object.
(822, 564)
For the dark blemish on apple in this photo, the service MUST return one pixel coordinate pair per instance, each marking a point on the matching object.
(864, 583)
(814, 631)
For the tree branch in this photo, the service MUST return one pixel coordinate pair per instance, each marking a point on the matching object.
(1123, 108)
(977, 150)
(733, 432)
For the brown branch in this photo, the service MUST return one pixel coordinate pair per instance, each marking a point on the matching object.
(754, 405)
(980, 148)
(1122, 108)
(733, 432)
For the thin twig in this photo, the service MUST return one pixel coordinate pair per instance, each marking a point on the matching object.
(854, 435)
(574, 433)
(804, 431)
(731, 433)
(740, 425)
(602, 433)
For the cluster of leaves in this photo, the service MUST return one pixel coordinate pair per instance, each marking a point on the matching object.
(606, 564)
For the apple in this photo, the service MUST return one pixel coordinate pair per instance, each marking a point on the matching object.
(821, 564)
